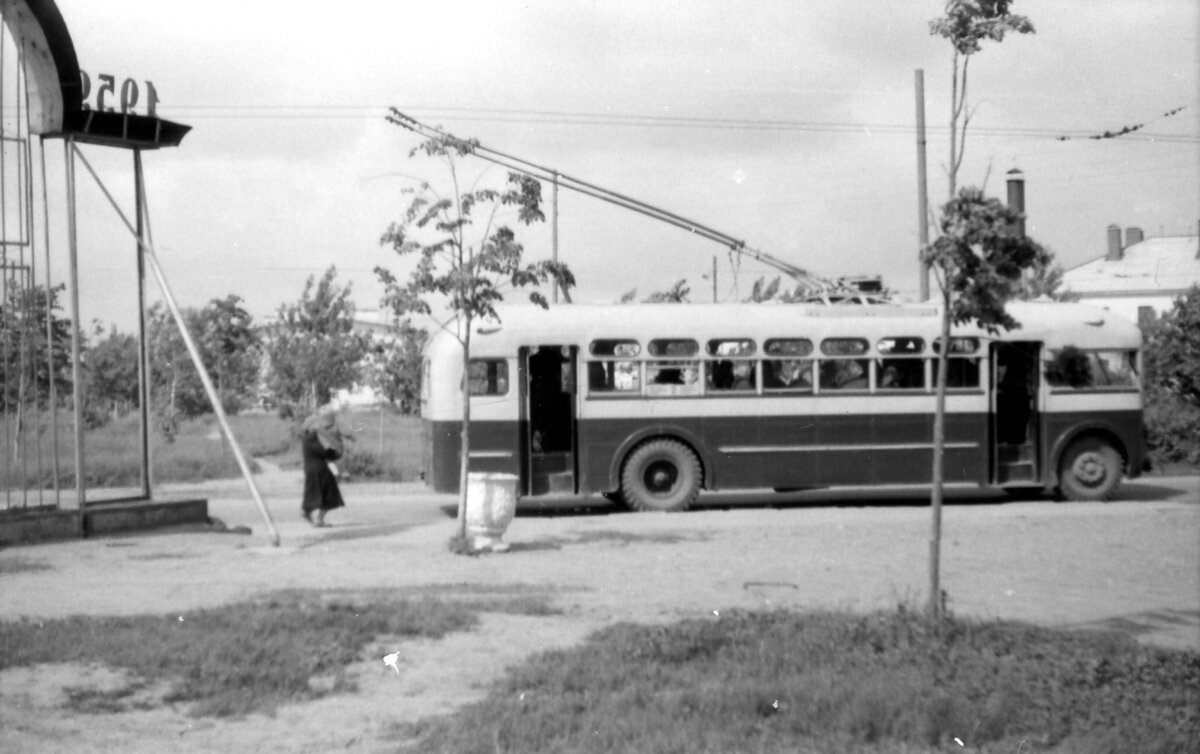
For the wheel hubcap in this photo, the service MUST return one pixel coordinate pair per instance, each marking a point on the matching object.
(660, 477)
(1090, 469)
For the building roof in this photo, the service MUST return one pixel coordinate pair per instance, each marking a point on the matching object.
(1166, 266)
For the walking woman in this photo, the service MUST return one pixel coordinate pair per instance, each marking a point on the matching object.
(320, 442)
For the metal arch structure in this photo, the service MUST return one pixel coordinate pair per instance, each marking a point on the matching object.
(49, 104)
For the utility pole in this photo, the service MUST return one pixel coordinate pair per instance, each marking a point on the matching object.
(922, 188)
(714, 278)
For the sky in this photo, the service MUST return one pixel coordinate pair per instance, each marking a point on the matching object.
(790, 125)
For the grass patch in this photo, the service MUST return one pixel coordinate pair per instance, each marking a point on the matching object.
(386, 447)
(785, 682)
(255, 655)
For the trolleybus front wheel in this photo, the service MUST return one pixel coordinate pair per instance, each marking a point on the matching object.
(661, 475)
(1091, 469)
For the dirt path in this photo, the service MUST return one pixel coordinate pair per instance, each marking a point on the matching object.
(1131, 566)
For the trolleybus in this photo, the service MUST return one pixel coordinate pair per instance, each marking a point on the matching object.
(651, 403)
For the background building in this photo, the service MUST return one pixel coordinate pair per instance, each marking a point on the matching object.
(1140, 278)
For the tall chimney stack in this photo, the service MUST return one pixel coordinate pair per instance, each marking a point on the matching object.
(1114, 244)
(1016, 197)
(1133, 235)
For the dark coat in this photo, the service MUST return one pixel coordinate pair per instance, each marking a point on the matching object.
(320, 485)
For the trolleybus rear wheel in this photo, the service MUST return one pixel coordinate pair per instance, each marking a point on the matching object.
(660, 475)
(1091, 469)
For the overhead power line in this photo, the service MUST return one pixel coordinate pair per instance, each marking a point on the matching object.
(561, 118)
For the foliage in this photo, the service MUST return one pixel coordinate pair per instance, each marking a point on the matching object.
(394, 366)
(229, 346)
(968, 23)
(981, 259)
(252, 656)
(676, 294)
(1172, 381)
(224, 334)
(469, 274)
(314, 350)
(787, 682)
(466, 273)
(26, 364)
(112, 376)
(1044, 281)
(1173, 349)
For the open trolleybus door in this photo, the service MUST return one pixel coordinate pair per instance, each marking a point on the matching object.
(1016, 371)
(549, 434)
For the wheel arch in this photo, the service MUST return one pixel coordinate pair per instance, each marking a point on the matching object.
(1098, 429)
(659, 432)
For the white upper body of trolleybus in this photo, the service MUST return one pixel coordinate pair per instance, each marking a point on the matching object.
(649, 404)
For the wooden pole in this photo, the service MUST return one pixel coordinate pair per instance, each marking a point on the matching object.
(922, 185)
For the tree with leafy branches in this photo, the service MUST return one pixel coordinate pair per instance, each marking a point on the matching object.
(33, 355)
(967, 24)
(980, 257)
(465, 259)
(112, 375)
(1171, 381)
(394, 365)
(229, 345)
(313, 350)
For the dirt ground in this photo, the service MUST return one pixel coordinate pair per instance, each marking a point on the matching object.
(1131, 565)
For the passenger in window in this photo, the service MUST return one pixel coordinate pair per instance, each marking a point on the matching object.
(789, 374)
(669, 377)
(743, 376)
(890, 378)
(722, 375)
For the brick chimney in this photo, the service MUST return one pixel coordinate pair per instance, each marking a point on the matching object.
(1114, 244)
(1133, 235)
(1016, 197)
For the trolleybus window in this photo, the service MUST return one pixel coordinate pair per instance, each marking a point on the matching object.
(963, 368)
(730, 370)
(785, 367)
(619, 373)
(675, 377)
(902, 368)
(844, 373)
(488, 377)
(1093, 370)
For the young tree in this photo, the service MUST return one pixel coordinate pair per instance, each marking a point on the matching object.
(25, 342)
(464, 266)
(394, 367)
(966, 24)
(314, 349)
(112, 370)
(978, 261)
(229, 346)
